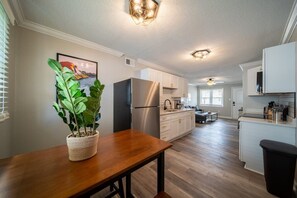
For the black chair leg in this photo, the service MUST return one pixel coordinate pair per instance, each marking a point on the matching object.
(116, 190)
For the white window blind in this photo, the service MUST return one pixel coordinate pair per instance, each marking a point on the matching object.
(4, 25)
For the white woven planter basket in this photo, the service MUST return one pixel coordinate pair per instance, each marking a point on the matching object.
(81, 148)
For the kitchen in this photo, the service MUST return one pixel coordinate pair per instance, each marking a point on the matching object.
(33, 41)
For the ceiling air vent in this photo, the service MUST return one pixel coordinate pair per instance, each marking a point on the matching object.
(130, 62)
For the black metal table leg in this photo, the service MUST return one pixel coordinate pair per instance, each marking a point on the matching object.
(128, 186)
(161, 175)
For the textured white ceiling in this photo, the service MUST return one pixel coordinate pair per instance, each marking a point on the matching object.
(235, 31)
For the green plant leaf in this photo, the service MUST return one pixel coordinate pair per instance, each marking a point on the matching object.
(55, 65)
(80, 108)
(56, 107)
(68, 105)
(80, 99)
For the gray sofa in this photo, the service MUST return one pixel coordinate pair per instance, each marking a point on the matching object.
(200, 115)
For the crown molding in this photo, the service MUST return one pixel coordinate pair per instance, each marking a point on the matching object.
(291, 25)
(158, 67)
(22, 22)
(250, 64)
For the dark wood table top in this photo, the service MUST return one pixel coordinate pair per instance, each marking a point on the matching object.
(49, 173)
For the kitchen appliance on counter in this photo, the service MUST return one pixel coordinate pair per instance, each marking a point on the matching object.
(137, 106)
(177, 104)
(276, 112)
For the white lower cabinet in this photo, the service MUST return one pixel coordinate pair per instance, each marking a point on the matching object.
(250, 135)
(176, 124)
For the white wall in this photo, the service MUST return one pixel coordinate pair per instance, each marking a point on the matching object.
(224, 111)
(193, 91)
(36, 124)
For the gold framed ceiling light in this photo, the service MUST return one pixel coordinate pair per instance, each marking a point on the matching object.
(143, 11)
(201, 54)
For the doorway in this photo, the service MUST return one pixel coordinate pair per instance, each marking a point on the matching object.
(237, 101)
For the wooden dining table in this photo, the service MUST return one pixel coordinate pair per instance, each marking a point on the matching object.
(49, 173)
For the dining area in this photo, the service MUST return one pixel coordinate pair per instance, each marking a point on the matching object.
(49, 172)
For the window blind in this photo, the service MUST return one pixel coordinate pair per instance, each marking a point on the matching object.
(4, 26)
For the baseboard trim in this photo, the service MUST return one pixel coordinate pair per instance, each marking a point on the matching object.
(253, 170)
(226, 117)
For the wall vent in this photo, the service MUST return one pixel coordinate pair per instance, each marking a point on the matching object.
(130, 62)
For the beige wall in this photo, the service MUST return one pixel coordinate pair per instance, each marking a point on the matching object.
(36, 124)
(224, 111)
(6, 127)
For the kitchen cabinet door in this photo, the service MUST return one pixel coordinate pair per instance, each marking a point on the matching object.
(188, 122)
(174, 128)
(182, 89)
(252, 81)
(151, 74)
(169, 81)
(182, 125)
(280, 68)
(185, 88)
(174, 81)
(166, 80)
(179, 91)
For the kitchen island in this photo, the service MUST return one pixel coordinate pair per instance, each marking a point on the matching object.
(253, 130)
(176, 123)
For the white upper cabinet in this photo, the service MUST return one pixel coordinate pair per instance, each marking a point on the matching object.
(182, 89)
(151, 74)
(279, 68)
(185, 89)
(169, 81)
(252, 81)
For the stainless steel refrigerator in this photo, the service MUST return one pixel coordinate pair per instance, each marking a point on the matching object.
(137, 106)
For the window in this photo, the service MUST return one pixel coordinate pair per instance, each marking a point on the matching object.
(3, 64)
(212, 97)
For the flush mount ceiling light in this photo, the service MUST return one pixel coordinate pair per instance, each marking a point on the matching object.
(201, 54)
(211, 82)
(143, 11)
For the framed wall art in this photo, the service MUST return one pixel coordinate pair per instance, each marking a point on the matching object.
(86, 71)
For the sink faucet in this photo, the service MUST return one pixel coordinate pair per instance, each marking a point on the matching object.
(165, 107)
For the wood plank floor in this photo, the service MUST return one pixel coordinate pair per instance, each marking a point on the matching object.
(203, 164)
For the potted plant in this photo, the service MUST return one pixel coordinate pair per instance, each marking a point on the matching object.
(80, 112)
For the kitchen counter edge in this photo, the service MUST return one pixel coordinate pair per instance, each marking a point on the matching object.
(268, 122)
(178, 111)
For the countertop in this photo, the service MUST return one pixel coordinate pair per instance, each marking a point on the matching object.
(291, 124)
(162, 112)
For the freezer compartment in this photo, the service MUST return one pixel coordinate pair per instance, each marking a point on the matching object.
(147, 120)
(145, 93)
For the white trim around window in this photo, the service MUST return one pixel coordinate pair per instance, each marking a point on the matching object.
(212, 97)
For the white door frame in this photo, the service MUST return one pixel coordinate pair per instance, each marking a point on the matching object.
(232, 90)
